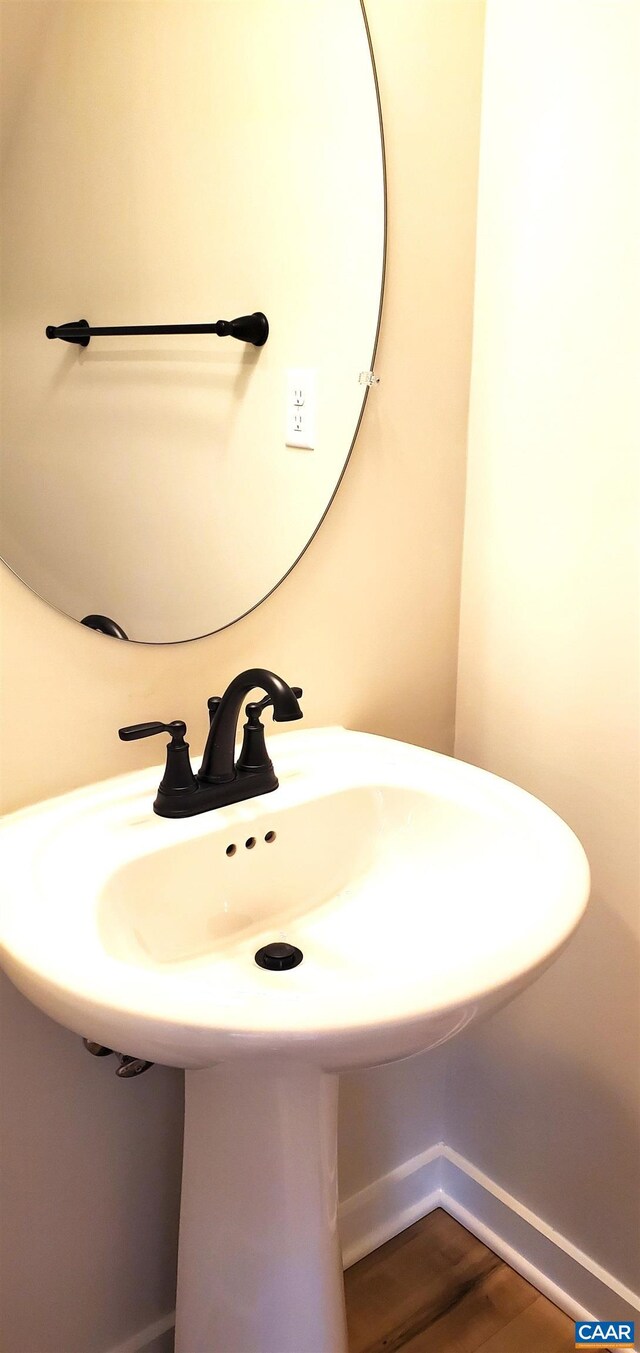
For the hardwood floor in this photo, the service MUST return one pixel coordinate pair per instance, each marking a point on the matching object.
(436, 1289)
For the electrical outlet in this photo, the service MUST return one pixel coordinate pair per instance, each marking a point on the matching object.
(301, 408)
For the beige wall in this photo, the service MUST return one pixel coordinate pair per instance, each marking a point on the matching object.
(367, 623)
(544, 1098)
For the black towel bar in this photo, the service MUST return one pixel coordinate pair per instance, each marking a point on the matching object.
(247, 328)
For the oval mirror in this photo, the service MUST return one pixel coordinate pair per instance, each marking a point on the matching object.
(177, 162)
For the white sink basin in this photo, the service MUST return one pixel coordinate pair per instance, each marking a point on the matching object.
(422, 893)
(420, 890)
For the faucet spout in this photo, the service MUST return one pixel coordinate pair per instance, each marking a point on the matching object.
(218, 760)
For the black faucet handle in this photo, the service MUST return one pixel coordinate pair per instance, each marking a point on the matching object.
(176, 730)
(178, 776)
(254, 756)
(254, 709)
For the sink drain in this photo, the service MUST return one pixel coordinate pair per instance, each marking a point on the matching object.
(278, 956)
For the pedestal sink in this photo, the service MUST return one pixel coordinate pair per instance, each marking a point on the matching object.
(422, 892)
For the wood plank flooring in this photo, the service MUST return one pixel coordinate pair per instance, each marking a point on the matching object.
(436, 1289)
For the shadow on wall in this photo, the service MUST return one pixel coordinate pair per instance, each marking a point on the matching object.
(536, 1108)
(71, 1239)
(393, 1113)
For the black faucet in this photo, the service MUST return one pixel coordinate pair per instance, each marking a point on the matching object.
(221, 780)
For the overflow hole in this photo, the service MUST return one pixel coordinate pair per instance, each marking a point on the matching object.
(270, 836)
(250, 843)
(231, 850)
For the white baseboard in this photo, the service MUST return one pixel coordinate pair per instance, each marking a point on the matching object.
(572, 1279)
(389, 1205)
(148, 1339)
(439, 1177)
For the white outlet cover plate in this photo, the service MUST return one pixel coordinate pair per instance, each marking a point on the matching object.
(301, 391)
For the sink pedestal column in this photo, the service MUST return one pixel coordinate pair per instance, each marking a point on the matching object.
(259, 1267)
